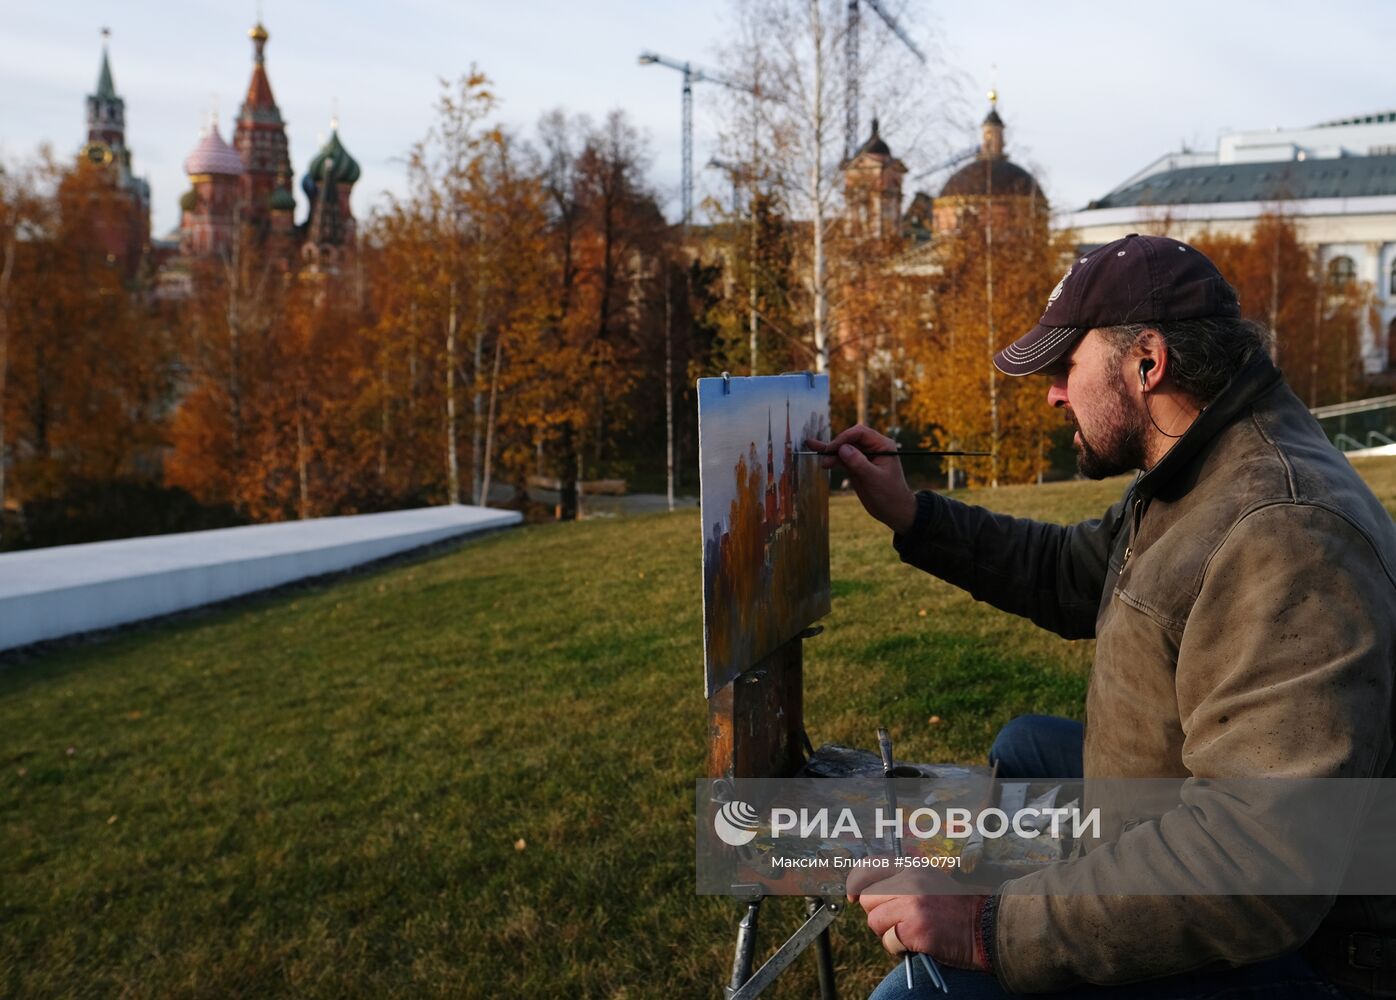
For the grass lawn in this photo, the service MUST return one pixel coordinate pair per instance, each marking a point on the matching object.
(465, 775)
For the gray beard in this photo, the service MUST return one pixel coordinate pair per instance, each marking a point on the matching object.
(1120, 447)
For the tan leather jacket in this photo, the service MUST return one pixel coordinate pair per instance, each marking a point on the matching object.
(1242, 596)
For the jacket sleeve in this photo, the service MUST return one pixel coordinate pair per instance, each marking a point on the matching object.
(1051, 574)
(1284, 670)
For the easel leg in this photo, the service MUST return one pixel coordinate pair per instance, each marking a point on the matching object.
(746, 947)
(824, 955)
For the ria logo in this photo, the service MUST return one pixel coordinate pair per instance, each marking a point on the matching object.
(735, 824)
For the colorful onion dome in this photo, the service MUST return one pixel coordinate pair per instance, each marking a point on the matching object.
(282, 200)
(213, 156)
(343, 168)
(189, 200)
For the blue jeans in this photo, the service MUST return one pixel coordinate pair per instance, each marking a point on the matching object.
(1044, 746)
(1039, 746)
(1287, 976)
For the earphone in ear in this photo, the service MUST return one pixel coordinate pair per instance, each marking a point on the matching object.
(1145, 367)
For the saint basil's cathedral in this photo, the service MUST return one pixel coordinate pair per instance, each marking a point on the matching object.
(235, 190)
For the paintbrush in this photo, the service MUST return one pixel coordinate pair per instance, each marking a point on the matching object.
(884, 745)
(899, 454)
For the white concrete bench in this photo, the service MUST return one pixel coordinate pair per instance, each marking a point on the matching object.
(68, 589)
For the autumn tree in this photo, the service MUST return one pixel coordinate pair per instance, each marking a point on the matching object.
(84, 367)
(756, 316)
(229, 356)
(605, 232)
(795, 53)
(996, 269)
(1317, 315)
(440, 170)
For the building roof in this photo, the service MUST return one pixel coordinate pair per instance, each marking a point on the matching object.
(974, 178)
(106, 90)
(874, 145)
(282, 200)
(259, 97)
(1342, 177)
(334, 158)
(1376, 118)
(259, 105)
(213, 156)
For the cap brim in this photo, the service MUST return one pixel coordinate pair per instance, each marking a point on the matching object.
(1037, 349)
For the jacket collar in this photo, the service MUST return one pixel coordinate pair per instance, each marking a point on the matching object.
(1251, 382)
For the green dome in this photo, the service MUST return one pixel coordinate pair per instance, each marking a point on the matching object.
(345, 169)
(282, 200)
(189, 200)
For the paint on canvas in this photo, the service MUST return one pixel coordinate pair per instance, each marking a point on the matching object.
(765, 514)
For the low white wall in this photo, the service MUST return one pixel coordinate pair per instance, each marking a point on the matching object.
(48, 593)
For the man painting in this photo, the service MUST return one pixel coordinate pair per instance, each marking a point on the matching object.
(1242, 595)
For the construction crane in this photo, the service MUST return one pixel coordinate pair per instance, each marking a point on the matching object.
(734, 173)
(850, 139)
(691, 74)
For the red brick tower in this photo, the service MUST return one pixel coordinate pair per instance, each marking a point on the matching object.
(260, 140)
(209, 216)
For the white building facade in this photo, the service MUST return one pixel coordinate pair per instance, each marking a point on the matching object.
(1336, 181)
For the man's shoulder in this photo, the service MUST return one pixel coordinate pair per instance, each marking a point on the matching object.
(1273, 459)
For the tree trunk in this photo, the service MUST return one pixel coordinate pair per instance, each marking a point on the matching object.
(669, 388)
(580, 512)
(452, 460)
(484, 500)
(892, 395)
(385, 389)
(567, 501)
(862, 400)
(818, 266)
(478, 397)
(301, 459)
(752, 323)
(989, 314)
(5, 272)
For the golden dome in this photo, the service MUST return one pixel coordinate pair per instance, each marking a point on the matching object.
(258, 33)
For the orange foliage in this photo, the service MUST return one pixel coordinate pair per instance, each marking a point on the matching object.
(1317, 325)
(955, 388)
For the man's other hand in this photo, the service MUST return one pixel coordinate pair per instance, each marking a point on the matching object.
(879, 482)
(921, 911)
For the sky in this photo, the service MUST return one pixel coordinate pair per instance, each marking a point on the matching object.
(1090, 90)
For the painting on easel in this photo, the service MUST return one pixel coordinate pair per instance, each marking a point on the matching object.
(765, 514)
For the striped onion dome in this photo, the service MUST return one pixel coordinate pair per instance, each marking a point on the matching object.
(213, 156)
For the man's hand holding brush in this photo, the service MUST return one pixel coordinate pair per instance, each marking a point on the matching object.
(879, 481)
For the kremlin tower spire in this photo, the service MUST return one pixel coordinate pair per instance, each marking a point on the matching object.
(260, 140)
(125, 233)
(106, 112)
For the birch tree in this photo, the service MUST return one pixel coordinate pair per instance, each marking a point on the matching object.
(795, 52)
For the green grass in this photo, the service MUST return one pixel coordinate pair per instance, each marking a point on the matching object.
(320, 792)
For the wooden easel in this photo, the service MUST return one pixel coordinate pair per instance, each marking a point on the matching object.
(756, 729)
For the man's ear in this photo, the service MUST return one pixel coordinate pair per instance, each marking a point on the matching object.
(1151, 359)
